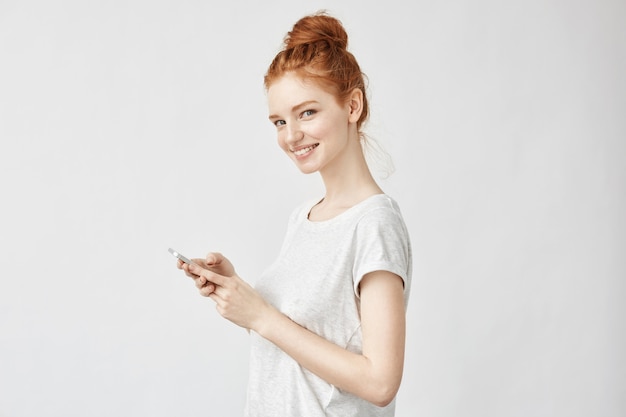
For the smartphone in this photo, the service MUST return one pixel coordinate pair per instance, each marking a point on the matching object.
(179, 256)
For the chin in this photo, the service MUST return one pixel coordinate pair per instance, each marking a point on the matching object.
(306, 170)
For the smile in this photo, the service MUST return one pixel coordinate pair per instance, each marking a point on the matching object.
(302, 151)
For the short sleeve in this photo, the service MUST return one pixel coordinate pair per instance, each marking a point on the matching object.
(382, 244)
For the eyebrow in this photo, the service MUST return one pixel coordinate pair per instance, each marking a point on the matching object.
(295, 108)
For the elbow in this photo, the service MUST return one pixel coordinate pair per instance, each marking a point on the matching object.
(382, 400)
(382, 387)
(383, 395)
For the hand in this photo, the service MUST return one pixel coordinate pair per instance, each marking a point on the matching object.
(214, 262)
(235, 299)
(204, 287)
(217, 263)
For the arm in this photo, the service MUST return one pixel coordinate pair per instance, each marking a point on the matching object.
(374, 375)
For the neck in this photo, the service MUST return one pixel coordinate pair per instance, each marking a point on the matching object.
(349, 180)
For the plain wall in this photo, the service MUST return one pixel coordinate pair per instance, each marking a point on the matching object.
(128, 127)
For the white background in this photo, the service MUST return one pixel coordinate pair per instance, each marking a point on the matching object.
(127, 127)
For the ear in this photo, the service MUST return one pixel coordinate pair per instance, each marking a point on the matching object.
(355, 105)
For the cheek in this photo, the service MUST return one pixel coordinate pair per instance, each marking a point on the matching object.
(282, 143)
(328, 127)
(316, 130)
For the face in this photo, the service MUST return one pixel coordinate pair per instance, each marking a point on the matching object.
(313, 129)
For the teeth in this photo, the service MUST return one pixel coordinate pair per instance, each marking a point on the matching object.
(304, 150)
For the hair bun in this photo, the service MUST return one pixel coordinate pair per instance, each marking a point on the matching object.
(317, 28)
(316, 48)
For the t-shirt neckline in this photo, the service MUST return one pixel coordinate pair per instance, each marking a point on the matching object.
(346, 212)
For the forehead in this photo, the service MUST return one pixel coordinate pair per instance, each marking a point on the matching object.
(292, 89)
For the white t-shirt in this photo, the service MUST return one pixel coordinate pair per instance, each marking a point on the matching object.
(315, 281)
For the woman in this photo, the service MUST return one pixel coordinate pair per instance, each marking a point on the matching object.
(327, 318)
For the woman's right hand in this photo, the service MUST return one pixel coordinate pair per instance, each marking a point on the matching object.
(214, 262)
(235, 299)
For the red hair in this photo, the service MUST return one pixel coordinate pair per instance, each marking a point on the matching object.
(316, 48)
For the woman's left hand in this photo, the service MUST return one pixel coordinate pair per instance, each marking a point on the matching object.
(235, 299)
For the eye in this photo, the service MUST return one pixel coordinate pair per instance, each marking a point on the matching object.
(279, 123)
(307, 113)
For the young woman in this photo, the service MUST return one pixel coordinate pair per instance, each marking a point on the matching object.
(327, 318)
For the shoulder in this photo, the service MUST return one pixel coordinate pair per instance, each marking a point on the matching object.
(381, 209)
(381, 227)
(382, 242)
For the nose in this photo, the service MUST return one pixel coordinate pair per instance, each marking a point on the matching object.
(294, 134)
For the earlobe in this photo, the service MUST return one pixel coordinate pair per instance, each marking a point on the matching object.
(355, 104)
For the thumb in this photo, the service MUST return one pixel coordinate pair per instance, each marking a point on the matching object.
(214, 258)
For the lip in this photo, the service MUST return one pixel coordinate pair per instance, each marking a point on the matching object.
(304, 150)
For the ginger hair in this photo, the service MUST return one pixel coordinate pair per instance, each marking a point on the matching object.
(316, 49)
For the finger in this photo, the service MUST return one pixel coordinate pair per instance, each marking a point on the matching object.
(214, 258)
(199, 282)
(209, 275)
(199, 262)
(207, 289)
(220, 293)
(190, 274)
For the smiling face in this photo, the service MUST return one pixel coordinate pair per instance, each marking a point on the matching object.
(314, 129)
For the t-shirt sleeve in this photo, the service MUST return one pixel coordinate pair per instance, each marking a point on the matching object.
(382, 244)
